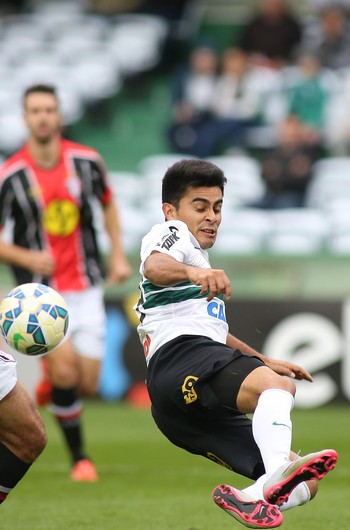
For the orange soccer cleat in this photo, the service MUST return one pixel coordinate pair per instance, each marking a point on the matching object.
(84, 471)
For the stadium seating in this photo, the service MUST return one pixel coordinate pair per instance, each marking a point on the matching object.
(84, 55)
(297, 231)
(244, 183)
(243, 231)
(330, 182)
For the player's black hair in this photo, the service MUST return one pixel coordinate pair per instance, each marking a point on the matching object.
(190, 173)
(39, 88)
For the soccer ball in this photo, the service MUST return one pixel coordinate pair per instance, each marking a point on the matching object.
(33, 318)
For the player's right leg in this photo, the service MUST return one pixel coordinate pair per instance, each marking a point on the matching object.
(22, 430)
(270, 397)
(278, 487)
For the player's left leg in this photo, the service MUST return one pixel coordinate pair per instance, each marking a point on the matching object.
(67, 408)
(22, 437)
(301, 494)
(294, 485)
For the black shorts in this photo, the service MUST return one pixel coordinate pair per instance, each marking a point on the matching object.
(193, 384)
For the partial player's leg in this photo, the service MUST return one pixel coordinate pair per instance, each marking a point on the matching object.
(270, 397)
(89, 375)
(67, 408)
(22, 437)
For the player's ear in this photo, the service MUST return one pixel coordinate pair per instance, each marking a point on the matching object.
(169, 211)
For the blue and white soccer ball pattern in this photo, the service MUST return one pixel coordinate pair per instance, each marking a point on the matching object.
(33, 318)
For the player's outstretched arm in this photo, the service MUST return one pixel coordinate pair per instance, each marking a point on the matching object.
(161, 269)
(285, 368)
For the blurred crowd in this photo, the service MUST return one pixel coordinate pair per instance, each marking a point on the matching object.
(279, 91)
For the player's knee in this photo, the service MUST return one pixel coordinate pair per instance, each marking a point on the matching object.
(35, 441)
(89, 388)
(287, 385)
(64, 376)
(277, 382)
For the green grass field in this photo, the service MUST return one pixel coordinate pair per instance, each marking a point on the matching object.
(148, 484)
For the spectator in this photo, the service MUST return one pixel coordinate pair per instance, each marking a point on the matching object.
(286, 168)
(231, 105)
(192, 92)
(272, 34)
(236, 105)
(310, 94)
(332, 42)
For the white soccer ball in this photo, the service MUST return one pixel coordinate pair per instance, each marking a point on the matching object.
(33, 318)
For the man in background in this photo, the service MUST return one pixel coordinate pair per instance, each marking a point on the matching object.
(47, 191)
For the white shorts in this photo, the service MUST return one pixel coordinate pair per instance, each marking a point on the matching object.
(8, 374)
(87, 321)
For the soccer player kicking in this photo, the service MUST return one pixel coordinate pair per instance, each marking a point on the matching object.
(202, 380)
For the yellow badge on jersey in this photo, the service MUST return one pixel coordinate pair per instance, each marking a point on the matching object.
(190, 395)
(218, 460)
(61, 217)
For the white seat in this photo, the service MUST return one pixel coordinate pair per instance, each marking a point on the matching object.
(339, 244)
(332, 167)
(17, 48)
(244, 182)
(71, 105)
(95, 79)
(135, 224)
(152, 169)
(39, 72)
(24, 25)
(71, 47)
(127, 187)
(155, 166)
(9, 98)
(61, 7)
(297, 231)
(242, 231)
(338, 241)
(13, 131)
(137, 41)
(294, 244)
(249, 221)
(237, 244)
(330, 181)
(85, 26)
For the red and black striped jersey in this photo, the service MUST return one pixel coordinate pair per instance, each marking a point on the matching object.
(53, 209)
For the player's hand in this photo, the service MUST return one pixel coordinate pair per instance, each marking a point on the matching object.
(119, 270)
(212, 281)
(41, 262)
(288, 369)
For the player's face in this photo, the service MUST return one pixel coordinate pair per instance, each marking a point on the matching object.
(200, 209)
(42, 116)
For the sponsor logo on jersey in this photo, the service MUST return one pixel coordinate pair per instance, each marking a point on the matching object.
(216, 310)
(61, 217)
(189, 393)
(170, 239)
(218, 460)
(34, 192)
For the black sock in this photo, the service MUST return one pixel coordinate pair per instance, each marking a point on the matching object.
(67, 409)
(12, 469)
